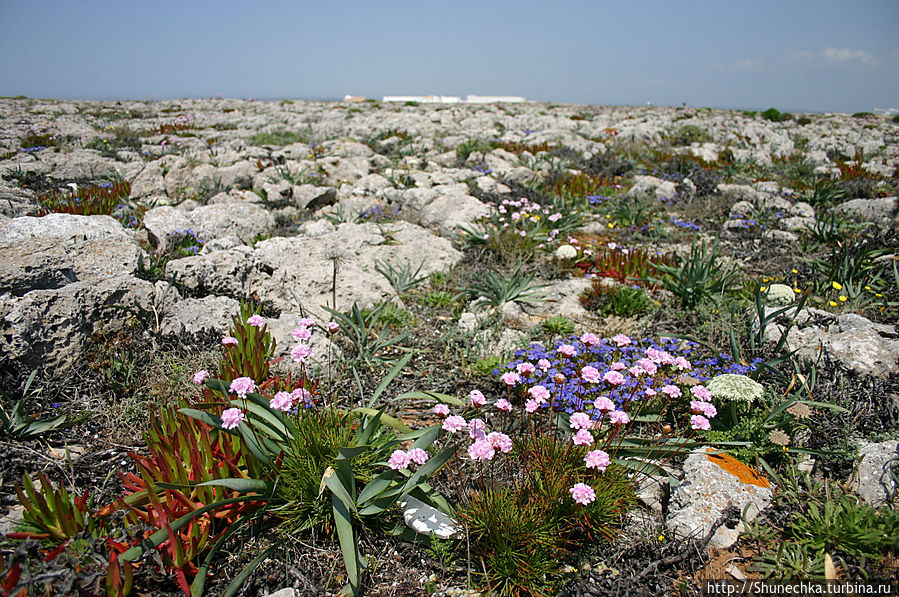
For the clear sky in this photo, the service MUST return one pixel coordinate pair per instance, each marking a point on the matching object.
(799, 55)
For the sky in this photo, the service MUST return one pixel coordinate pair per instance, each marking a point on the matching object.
(796, 55)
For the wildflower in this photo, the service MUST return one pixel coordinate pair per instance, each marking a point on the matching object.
(682, 364)
(300, 353)
(299, 334)
(832, 303)
(301, 395)
(604, 404)
(613, 377)
(580, 421)
(703, 408)
(232, 417)
(621, 340)
(648, 366)
(699, 422)
(837, 286)
(241, 386)
(779, 437)
(481, 450)
(582, 438)
(565, 251)
(590, 339)
(454, 423)
(418, 456)
(398, 460)
(598, 459)
(672, 391)
(731, 386)
(477, 429)
(201, 376)
(256, 321)
(619, 417)
(500, 441)
(229, 340)
(591, 374)
(539, 393)
(510, 378)
(559, 378)
(281, 401)
(531, 406)
(582, 493)
(306, 322)
(800, 410)
(843, 298)
(477, 398)
(650, 392)
(525, 369)
(701, 392)
(544, 364)
(503, 405)
(567, 350)
(333, 327)
(555, 217)
(440, 409)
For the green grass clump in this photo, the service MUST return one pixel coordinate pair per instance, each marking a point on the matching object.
(620, 300)
(689, 134)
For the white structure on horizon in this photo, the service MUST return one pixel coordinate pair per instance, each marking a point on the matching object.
(452, 99)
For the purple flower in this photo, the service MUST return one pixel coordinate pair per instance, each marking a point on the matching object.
(582, 493)
(201, 376)
(597, 459)
(241, 386)
(231, 418)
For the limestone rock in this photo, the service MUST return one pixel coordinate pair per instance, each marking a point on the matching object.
(196, 317)
(879, 211)
(873, 479)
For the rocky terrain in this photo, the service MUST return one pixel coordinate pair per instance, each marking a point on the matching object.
(131, 231)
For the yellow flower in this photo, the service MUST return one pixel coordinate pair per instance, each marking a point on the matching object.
(661, 537)
(867, 288)
(797, 291)
(843, 298)
(763, 288)
(611, 224)
(837, 286)
(795, 271)
(833, 304)
(878, 295)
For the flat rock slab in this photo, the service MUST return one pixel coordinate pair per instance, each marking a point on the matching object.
(712, 482)
(873, 479)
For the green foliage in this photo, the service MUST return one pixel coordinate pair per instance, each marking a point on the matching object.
(558, 326)
(18, 425)
(401, 278)
(486, 365)
(496, 288)
(774, 115)
(616, 299)
(279, 138)
(831, 230)
(824, 193)
(895, 118)
(250, 357)
(52, 514)
(466, 148)
(110, 199)
(439, 299)
(370, 347)
(699, 277)
(689, 134)
(862, 114)
(635, 211)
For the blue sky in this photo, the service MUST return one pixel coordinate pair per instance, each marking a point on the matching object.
(796, 55)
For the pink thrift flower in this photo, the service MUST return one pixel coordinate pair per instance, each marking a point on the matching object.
(567, 350)
(229, 341)
(582, 493)
(440, 409)
(590, 339)
(398, 460)
(682, 363)
(300, 334)
(648, 366)
(500, 441)
(701, 392)
(281, 401)
(256, 321)
(531, 405)
(650, 392)
(481, 450)
(477, 429)
(241, 386)
(454, 423)
(654, 355)
(636, 371)
(621, 340)
(300, 353)
(613, 377)
(672, 391)
(201, 376)
(591, 374)
(301, 395)
(618, 366)
(701, 407)
(580, 421)
(598, 459)
(525, 368)
(418, 456)
(539, 393)
(510, 378)
(604, 404)
(700, 422)
(306, 322)
(232, 417)
(582, 438)
(503, 405)
(619, 417)
(544, 364)
(333, 326)
(477, 398)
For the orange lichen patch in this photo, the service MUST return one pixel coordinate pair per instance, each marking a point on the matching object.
(740, 470)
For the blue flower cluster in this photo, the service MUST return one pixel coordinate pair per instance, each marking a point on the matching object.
(685, 224)
(377, 213)
(572, 394)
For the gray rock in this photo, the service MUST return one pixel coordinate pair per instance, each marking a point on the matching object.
(311, 197)
(229, 272)
(448, 212)
(879, 211)
(873, 476)
(285, 592)
(243, 220)
(796, 223)
(340, 170)
(705, 492)
(653, 187)
(196, 317)
(741, 209)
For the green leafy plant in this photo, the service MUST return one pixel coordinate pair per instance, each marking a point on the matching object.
(17, 424)
(401, 278)
(466, 148)
(250, 356)
(699, 276)
(558, 326)
(111, 199)
(53, 514)
(617, 299)
(371, 348)
(496, 288)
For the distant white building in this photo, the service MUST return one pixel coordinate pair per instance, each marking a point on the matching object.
(452, 99)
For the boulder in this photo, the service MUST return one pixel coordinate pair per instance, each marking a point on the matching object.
(879, 211)
(228, 272)
(873, 479)
(246, 221)
(191, 318)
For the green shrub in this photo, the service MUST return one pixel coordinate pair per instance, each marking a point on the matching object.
(774, 115)
(689, 134)
(617, 299)
(699, 276)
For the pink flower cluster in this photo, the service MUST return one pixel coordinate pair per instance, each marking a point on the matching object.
(301, 334)
(582, 493)
(242, 386)
(232, 417)
(401, 459)
(702, 408)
